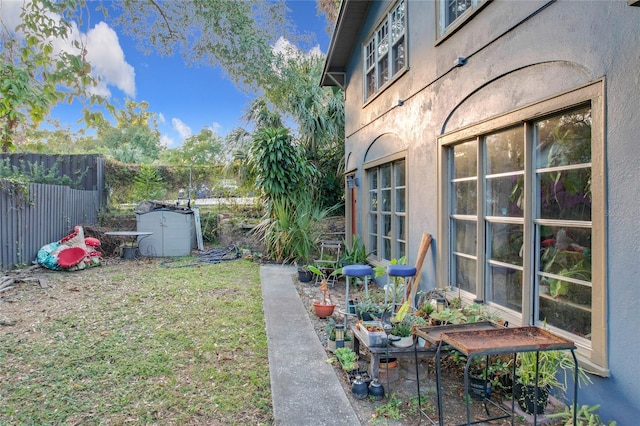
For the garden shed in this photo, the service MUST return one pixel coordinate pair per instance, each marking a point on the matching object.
(172, 228)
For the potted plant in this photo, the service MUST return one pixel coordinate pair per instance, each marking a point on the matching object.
(330, 331)
(553, 368)
(402, 333)
(325, 307)
(368, 310)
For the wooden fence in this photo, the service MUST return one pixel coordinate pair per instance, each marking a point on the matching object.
(44, 214)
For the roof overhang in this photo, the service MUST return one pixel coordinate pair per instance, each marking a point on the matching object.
(345, 35)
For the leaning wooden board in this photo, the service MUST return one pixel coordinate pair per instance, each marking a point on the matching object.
(412, 288)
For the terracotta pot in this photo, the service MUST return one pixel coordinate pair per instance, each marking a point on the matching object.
(384, 365)
(323, 311)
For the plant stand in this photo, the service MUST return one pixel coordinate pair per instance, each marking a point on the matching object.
(499, 341)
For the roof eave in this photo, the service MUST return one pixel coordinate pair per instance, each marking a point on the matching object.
(345, 35)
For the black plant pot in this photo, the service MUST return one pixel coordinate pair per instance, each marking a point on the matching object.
(479, 388)
(304, 276)
(525, 394)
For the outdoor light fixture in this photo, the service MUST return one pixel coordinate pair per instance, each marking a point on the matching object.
(441, 304)
(339, 336)
(352, 182)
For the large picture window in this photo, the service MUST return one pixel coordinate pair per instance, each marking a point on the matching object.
(384, 51)
(521, 202)
(387, 236)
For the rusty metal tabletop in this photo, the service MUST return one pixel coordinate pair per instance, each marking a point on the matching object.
(505, 340)
(432, 334)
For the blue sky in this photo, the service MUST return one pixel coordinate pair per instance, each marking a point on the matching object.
(185, 98)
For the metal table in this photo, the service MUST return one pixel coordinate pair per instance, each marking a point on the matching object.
(499, 341)
(433, 335)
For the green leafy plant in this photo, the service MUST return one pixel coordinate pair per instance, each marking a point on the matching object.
(326, 294)
(402, 329)
(347, 357)
(553, 369)
(330, 331)
(353, 254)
(389, 411)
(368, 306)
(148, 184)
(586, 416)
(449, 316)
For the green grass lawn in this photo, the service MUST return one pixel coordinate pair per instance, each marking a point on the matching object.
(137, 343)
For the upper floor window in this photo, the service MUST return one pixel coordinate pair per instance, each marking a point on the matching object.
(384, 51)
(455, 12)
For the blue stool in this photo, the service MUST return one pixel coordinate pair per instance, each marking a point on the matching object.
(357, 271)
(398, 271)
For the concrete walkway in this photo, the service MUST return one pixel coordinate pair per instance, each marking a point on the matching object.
(304, 387)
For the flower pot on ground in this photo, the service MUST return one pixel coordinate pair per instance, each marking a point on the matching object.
(525, 395)
(388, 368)
(330, 331)
(553, 368)
(325, 307)
(304, 275)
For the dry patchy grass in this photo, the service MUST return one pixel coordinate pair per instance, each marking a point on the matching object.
(135, 342)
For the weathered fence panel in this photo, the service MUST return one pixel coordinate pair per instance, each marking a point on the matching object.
(87, 168)
(45, 214)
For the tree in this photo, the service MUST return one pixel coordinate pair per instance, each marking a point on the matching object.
(135, 137)
(148, 184)
(34, 75)
(204, 148)
(233, 35)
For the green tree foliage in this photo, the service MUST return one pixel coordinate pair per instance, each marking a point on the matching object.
(281, 169)
(205, 148)
(233, 35)
(34, 75)
(58, 140)
(135, 137)
(148, 184)
(318, 113)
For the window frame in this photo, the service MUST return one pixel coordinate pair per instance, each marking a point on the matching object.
(444, 30)
(396, 241)
(592, 352)
(370, 52)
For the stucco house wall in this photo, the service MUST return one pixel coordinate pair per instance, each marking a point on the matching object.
(515, 54)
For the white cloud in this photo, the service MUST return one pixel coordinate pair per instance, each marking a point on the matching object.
(183, 130)
(161, 118)
(216, 127)
(104, 52)
(10, 13)
(285, 48)
(107, 59)
(166, 141)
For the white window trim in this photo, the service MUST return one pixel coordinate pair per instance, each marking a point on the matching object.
(371, 37)
(594, 355)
